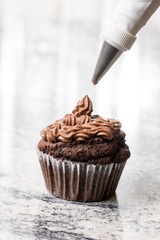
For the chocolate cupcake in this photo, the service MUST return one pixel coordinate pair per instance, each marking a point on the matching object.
(82, 156)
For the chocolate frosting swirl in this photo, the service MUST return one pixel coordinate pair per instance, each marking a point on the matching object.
(80, 125)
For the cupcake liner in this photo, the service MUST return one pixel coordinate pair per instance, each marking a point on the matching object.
(79, 181)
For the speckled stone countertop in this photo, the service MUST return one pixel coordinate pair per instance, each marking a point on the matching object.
(46, 66)
(28, 211)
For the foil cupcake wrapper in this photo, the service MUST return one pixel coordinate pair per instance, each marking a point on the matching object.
(79, 181)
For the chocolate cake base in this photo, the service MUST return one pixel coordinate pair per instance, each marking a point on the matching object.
(93, 151)
(83, 171)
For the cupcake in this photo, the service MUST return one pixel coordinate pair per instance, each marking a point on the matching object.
(82, 155)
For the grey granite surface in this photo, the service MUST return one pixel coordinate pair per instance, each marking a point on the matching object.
(46, 66)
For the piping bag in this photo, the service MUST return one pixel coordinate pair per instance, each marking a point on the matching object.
(128, 18)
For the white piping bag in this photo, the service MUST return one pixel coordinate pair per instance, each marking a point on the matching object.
(127, 19)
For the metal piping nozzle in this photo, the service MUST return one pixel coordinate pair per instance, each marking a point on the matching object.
(108, 55)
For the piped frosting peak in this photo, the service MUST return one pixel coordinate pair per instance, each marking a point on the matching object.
(84, 107)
